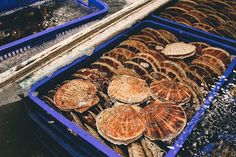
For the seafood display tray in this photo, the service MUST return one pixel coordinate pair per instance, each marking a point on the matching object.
(78, 133)
(202, 33)
(21, 45)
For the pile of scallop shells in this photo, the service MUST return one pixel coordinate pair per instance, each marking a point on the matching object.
(142, 92)
(214, 16)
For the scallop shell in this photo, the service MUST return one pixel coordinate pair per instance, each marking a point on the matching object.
(179, 50)
(93, 75)
(190, 17)
(155, 34)
(128, 89)
(145, 63)
(135, 149)
(174, 66)
(136, 67)
(204, 73)
(121, 124)
(123, 54)
(216, 62)
(168, 90)
(210, 68)
(150, 58)
(164, 120)
(158, 76)
(199, 47)
(158, 56)
(175, 11)
(104, 68)
(182, 20)
(151, 148)
(219, 53)
(126, 71)
(170, 73)
(168, 36)
(76, 94)
(133, 45)
(197, 78)
(204, 26)
(111, 61)
(148, 78)
(142, 38)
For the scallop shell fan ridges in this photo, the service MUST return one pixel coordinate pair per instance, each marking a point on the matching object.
(179, 50)
(121, 124)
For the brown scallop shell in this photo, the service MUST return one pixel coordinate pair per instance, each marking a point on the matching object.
(105, 68)
(128, 89)
(170, 73)
(189, 2)
(155, 34)
(199, 47)
(182, 64)
(148, 78)
(190, 17)
(93, 75)
(136, 67)
(203, 73)
(76, 94)
(205, 6)
(204, 10)
(135, 149)
(204, 27)
(168, 36)
(175, 11)
(166, 16)
(133, 45)
(149, 56)
(211, 69)
(164, 120)
(145, 63)
(184, 6)
(168, 90)
(193, 75)
(111, 61)
(174, 66)
(182, 20)
(142, 38)
(200, 15)
(126, 71)
(216, 62)
(197, 95)
(161, 75)
(120, 54)
(121, 124)
(226, 32)
(156, 54)
(219, 53)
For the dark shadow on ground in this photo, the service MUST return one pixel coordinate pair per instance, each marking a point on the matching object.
(16, 133)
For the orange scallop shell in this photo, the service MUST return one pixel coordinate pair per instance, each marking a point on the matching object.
(168, 90)
(76, 94)
(121, 124)
(128, 89)
(164, 120)
(219, 53)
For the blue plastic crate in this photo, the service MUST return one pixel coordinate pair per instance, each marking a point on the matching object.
(202, 33)
(65, 72)
(18, 46)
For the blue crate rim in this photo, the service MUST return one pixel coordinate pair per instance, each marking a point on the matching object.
(182, 137)
(103, 9)
(207, 34)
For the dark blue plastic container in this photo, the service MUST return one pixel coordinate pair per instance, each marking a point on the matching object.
(18, 46)
(202, 33)
(84, 61)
